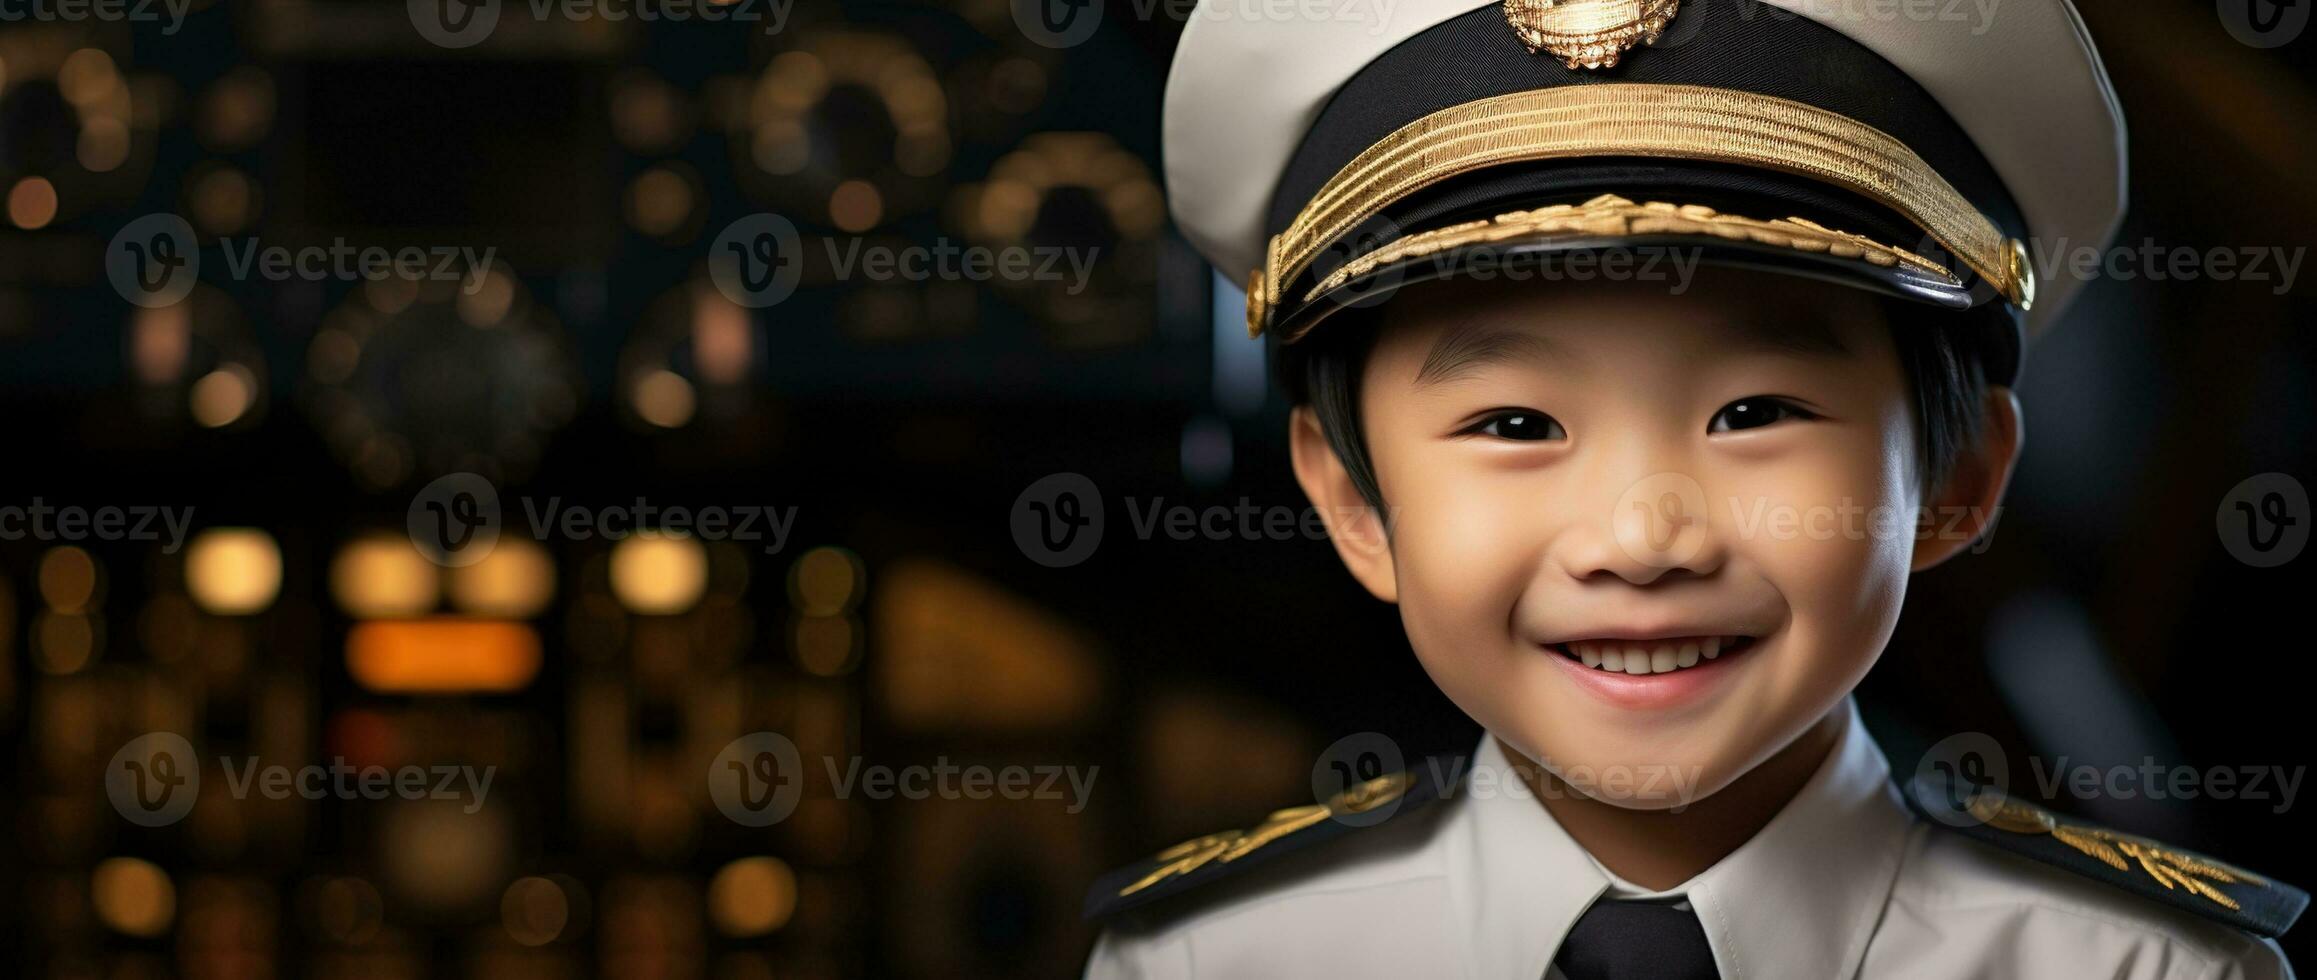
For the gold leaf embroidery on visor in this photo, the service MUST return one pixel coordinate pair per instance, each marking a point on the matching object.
(1610, 216)
(1684, 122)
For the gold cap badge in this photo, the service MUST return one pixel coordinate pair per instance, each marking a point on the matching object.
(1588, 33)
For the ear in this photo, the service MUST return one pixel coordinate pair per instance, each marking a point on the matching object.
(1355, 527)
(1964, 510)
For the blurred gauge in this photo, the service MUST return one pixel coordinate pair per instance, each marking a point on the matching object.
(433, 377)
(849, 129)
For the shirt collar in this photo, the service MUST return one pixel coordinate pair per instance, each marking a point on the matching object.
(1799, 899)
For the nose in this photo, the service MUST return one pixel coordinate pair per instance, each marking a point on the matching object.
(1643, 524)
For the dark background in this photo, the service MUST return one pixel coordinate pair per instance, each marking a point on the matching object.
(2106, 624)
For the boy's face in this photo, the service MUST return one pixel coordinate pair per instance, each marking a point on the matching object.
(1645, 539)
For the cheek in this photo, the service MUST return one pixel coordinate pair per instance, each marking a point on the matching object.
(1458, 553)
(1836, 539)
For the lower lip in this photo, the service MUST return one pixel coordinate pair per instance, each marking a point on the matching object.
(1654, 692)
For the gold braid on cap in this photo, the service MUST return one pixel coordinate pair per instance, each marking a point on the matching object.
(1680, 122)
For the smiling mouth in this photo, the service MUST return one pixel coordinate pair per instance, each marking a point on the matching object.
(1660, 656)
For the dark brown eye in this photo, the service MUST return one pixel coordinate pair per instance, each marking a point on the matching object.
(1521, 427)
(1754, 413)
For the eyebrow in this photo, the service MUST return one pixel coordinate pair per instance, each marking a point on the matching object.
(1809, 337)
(1458, 352)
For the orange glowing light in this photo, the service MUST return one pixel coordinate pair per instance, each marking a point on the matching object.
(442, 655)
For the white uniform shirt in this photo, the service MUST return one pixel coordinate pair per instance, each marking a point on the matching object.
(1844, 882)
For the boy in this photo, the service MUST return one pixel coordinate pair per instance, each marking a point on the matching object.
(1556, 471)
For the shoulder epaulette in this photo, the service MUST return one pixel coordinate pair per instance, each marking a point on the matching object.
(2158, 872)
(1214, 857)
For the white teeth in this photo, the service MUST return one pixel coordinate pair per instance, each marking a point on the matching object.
(1650, 658)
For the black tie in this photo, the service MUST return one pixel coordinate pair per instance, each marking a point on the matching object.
(1636, 941)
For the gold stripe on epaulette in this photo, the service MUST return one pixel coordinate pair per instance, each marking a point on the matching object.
(2171, 868)
(1683, 122)
(1231, 845)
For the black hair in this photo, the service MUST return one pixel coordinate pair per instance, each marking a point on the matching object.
(1945, 368)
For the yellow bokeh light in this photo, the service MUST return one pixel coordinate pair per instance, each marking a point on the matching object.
(133, 896)
(383, 576)
(752, 896)
(32, 203)
(659, 201)
(534, 910)
(63, 643)
(826, 645)
(222, 396)
(856, 206)
(516, 580)
(233, 571)
(659, 574)
(68, 579)
(826, 581)
(664, 399)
